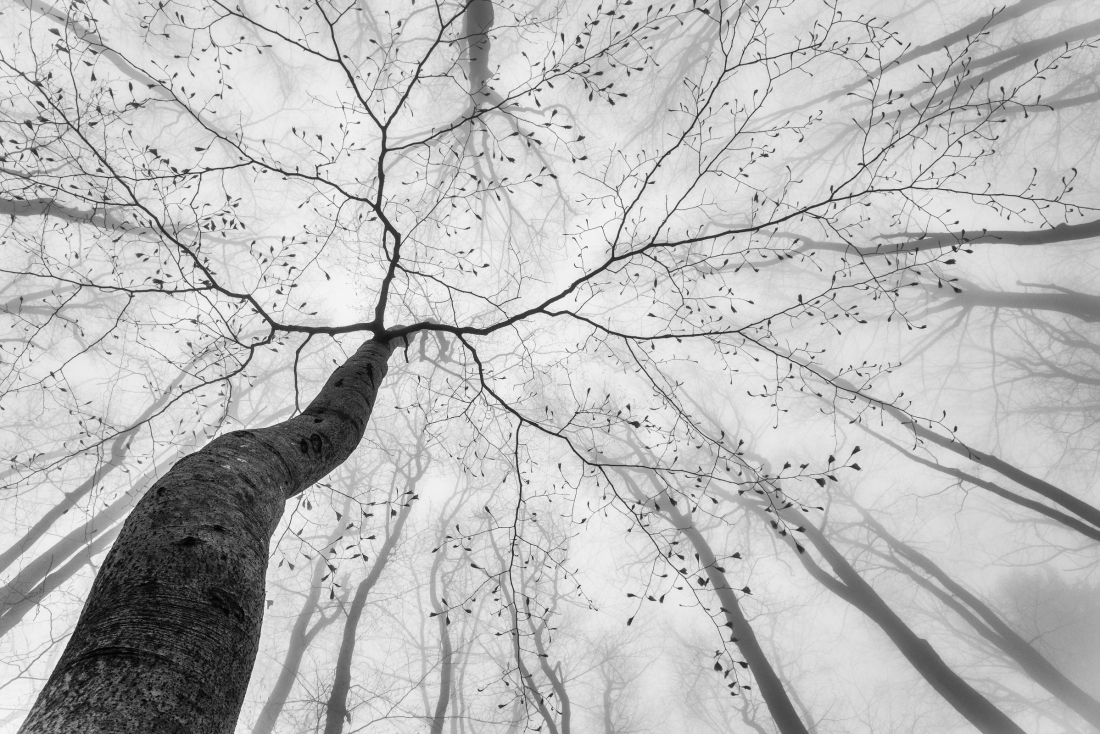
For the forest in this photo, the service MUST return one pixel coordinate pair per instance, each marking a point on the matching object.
(562, 366)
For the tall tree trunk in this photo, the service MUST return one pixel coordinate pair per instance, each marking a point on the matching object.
(446, 662)
(1065, 519)
(851, 587)
(608, 705)
(993, 628)
(477, 22)
(771, 688)
(1064, 499)
(14, 593)
(553, 674)
(527, 678)
(337, 710)
(1082, 509)
(169, 634)
(24, 585)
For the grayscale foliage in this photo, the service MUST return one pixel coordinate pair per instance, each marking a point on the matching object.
(595, 367)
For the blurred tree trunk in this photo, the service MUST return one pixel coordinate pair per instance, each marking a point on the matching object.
(851, 587)
(16, 610)
(989, 625)
(24, 586)
(1087, 512)
(446, 662)
(120, 447)
(301, 635)
(768, 683)
(553, 674)
(1058, 516)
(336, 712)
(170, 630)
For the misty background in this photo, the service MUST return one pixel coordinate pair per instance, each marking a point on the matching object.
(778, 310)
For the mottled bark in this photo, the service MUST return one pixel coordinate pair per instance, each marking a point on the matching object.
(336, 712)
(169, 634)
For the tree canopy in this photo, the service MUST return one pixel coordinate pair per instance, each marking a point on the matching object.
(744, 373)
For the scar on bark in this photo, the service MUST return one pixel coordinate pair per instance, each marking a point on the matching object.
(314, 442)
(225, 602)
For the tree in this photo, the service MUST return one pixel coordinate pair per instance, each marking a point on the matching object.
(565, 247)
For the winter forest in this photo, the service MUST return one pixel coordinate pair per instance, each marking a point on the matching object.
(562, 366)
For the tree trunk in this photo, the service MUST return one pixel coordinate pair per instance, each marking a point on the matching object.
(169, 634)
(851, 587)
(608, 703)
(783, 713)
(477, 22)
(16, 610)
(1059, 496)
(994, 629)
(300, 636)
(1065, 519)
(553, 674)
(120, 447)
(1041, 487)
(337, 710)
(771, 687)
(446, 662)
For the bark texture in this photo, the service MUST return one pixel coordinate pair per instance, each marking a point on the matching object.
(169, 634)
